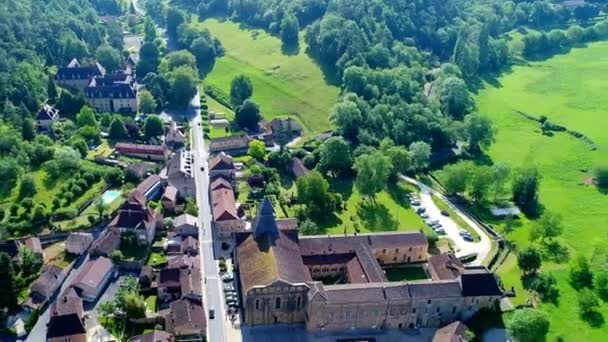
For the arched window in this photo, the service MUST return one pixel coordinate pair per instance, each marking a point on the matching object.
(257, 304)
(278, 303)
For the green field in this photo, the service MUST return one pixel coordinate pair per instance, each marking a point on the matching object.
(571, 91)
(406, 273)
(283, 84)
(391, 212)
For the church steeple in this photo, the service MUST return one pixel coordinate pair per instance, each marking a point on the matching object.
(265, 222)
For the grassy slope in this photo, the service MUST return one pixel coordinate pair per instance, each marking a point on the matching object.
(569, 90)
(282, 84)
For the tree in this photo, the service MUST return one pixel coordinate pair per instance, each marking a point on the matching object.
(149, 59)
(308, 227)
(465, 58)
(421, 155)
(27, 187)
(9, 170)
(117, 131)
(147, 104)
(525, 191)
(580, 273)
(257, 150)
(150, 33)
(600, 284)
(117, 256)
(51, 90)
(109, 58)
(528, 325)
(240, 90)
(347, 117)
(153, 127)
(400, 159)
(575, 34)
(335, 156)
(177, 59)
(100, 206)
(65, 161)
(30, 263)
(455, 98)
(529, 260)
(545, 285)
(372, 173)
(587, 302)
(204, 51)
(248, 115)
(289, 30)
(500, 174)
(114, 176)
(313, 192)
(456, 176)
(548, 226)
(39, 213)
(601, 177)
(8, 290)
(28, 132)
(86, 117)
(183, 87)
(173, 19)
(479, 132)
(481, 181)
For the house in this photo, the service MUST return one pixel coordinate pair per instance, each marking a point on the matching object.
(67, 303)
(297, 168)
(34, 244)
(146, 276)
(223, 208)
(289, 128)
(106, 243)
(190, 280)
(45, 286)
(148, 152)
(78, 76)
(288, 289)
(222, 165)
(189, 246)
(186, 225)
(114, 93)
(135, 217)
(235, 143)
(173, 245)
(174, 138)
(169, 198)
(453, 332)
(92, 278)
(178, 173)
(78, 242)
(139, 170)
(183, 261)
(186, 320)
(154, 336)
(45, 118)
(169, 286)
(66, 328)
(151, 187)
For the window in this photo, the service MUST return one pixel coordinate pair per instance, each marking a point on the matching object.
(299, 302)
(396, 250)
(257, 304)
(414, 310)
(453, 309)
(375, 313)
(360, 313)
(331, 315)
(428, 301)
(277, 303)
(395, 259)
(410, 249)
(437, 309)
(384, 251)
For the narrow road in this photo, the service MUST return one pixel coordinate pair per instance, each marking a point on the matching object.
(213, 295)
(481, 247)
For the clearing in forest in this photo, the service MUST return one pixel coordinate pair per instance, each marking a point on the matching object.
(283, 83)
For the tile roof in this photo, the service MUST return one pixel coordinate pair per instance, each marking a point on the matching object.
(64, 325)
(153, 336)
(453, 332)
(78, 238)
(223, 202)
(169, 277)
(190, 280)
(355, 293)
(267, 260)
(185, 315)
(182, 261)
(265, 222)
(297, 167)
(92, 273)
(435, 289)
(68, 303)
(107, 242)
(126, 148)
(221, 162)
(48, 281)
(369, 265)
(180, 164)
(147, 184)
(170, 194)
(34, 244)
(220, 183)
(479, 282)
(189, 244)
(185, 219)
(445, 266)
(311, 245)
(115, 86)
(74, 71)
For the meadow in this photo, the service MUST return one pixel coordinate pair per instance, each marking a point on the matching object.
(569, 90)
(284, 83)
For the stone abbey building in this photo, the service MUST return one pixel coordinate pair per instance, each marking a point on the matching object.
(278, 276)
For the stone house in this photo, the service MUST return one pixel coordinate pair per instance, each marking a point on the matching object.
(148, 152)
(186, 225)
(225, 217)
(45, 286)
(45, 118)
(92, 278)
(178, 173)
(78, 242)
(235, 143)
(114, 93)
(186, 320)
(78, 76)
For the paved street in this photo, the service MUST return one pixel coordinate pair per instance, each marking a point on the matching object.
(482, 247)
(213, 295)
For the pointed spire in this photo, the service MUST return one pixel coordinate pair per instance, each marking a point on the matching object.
(265, 222)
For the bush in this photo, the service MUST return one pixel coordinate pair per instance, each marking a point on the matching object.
(601, 177)
(64, 214)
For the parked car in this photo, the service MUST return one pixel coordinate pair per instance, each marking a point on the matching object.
(445, 213)
(424, 215)
(420, 210)
(227, 278)
(467, 238)
(211, 313)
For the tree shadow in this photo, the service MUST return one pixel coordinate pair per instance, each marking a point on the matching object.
(398, 194)
(555, 251)
(376, 217)
(290, 49)
(549, 296)
(328, 221)
(330, 72)
(205, 68)
(343, 186)
(594, 318)
(286, 181)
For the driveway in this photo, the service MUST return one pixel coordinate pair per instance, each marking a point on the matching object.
(463, 247)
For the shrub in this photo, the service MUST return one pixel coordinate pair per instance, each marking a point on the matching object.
(64, 214)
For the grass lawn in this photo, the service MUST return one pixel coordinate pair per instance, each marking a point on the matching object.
(455, 217)
(156, 259)
(570, 90)
(283, 84)
(390, 212)
(55, 255)
(104, 150)
(406, 273)
(83, 218)
(151, 303)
